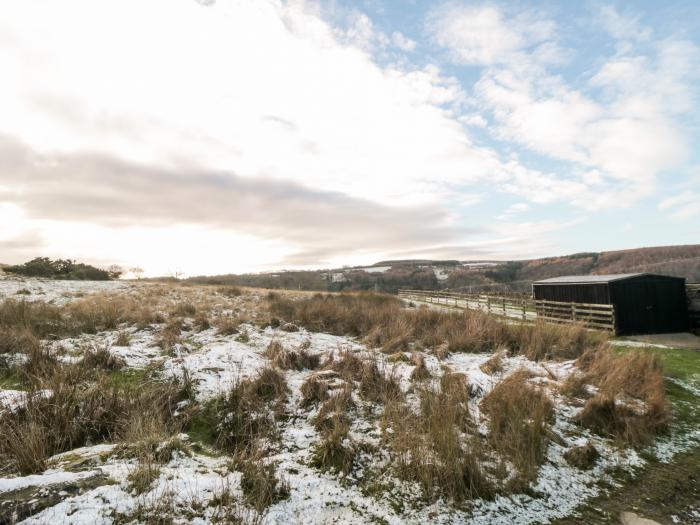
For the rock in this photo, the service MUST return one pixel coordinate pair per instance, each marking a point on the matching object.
(17, 505)
(630, 518)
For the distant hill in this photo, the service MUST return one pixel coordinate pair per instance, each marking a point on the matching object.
(682, 261)
(426, 274)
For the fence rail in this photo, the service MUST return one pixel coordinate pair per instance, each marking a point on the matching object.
(526, 309)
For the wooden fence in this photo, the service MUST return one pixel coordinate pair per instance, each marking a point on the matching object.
(693, 294)
(525, 309)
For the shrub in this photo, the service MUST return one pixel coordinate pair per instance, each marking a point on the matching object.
(62, 269)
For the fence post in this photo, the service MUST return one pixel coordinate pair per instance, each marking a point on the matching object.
(573, 311)
(504, 307)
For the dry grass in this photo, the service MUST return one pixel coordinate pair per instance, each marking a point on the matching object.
(228, 325)
(123, 338)
(17, 340)
(260, 484)
(430, 447)
(169, 335)
(385, 324)
(420, 372)
(335, 451)
(299, 359)
(630, 405)
(236, 420)
(89, 315)
(493, 365)
(518, 421)
(81, 407)
(315, 389)
(583, 456)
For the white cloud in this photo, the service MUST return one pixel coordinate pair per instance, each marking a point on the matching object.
(622, 27)
(244, 91)
(402, 41)
(481, 35)
(618, 139)
(683, 205)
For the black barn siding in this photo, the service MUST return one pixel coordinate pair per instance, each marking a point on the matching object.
(644, 303)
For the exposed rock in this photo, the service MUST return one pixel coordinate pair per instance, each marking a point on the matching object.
(17, 505)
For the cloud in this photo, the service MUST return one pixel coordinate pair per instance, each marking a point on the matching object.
(622, 27)
(113, 193)
(481, 35)
(617, 132)
(402, 41)
(682, 206)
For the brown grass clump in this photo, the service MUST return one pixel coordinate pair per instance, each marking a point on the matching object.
(583, 456)
(493, 365)
(377, 386)
(285, 359)
(102, 359)
(141, 479)
(169, 336)
(429, 447)
(230, 291)
(260, 484)
(18, 340)
(236, 420)
(202, 322)
(77, 409)
(420, 372)
(123, 338)
(630, 404)
(334, 412)
(518, 421)
(574, 386)
(228, 325)
(315, 389)
(334, 452)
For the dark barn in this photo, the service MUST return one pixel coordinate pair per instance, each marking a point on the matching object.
(644, 302)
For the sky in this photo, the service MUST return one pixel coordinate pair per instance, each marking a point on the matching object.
(229, 136)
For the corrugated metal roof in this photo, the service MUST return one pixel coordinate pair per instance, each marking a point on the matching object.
(588, 279)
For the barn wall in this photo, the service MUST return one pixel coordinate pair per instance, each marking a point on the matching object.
(693, 294)
(649, 304)
(597, 293)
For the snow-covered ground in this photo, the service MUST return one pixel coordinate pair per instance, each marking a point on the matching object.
(191, 481)
(56, 292)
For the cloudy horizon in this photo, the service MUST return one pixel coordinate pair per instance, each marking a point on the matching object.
(221, 136)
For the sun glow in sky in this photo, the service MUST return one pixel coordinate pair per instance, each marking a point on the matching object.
(247, 135)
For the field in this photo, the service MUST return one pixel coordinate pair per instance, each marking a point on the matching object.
(130, 402)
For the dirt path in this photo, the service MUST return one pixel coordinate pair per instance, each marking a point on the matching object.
(667, 493)
(676, 340)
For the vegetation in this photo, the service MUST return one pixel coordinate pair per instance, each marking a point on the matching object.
(683, 261)
(64, 269)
